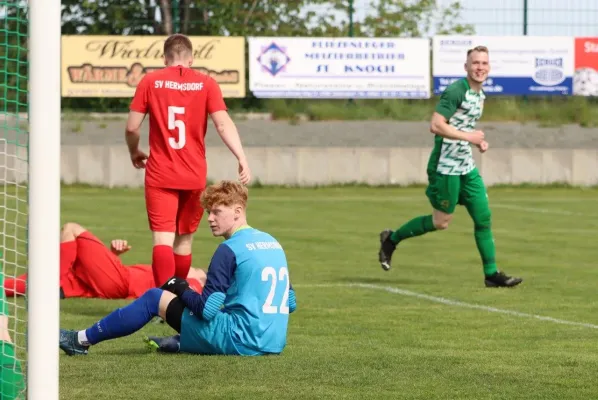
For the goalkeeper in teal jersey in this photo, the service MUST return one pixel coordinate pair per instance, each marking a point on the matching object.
(452, 175)
(244, 306)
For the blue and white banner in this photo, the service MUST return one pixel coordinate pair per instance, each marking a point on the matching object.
(519, 65)
(289, 67)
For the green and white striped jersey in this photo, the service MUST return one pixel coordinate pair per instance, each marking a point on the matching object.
(462, 107)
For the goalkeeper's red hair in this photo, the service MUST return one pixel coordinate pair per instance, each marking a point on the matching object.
(224, 193)
(226, 204)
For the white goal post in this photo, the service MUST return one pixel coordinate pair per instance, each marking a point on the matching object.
(44, 200)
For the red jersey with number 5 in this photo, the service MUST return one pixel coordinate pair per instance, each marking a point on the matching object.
(179, 101)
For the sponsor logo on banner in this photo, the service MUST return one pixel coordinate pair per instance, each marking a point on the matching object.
(519, 65)
(273, 59)
(585, 79)
(339, 67)
(112, 66)
(549, 71)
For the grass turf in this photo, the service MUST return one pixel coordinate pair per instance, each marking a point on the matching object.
(374, 342)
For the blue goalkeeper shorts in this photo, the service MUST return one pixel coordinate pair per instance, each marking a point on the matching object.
(199, 336)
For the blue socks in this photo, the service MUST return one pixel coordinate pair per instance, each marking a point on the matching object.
(127, 320)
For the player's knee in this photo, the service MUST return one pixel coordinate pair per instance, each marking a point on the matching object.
(183, 244)
(153, 294)
(70, 231)
(68, 227)
(151, 298)
(441, 225)
(441, 222)
(163, 238)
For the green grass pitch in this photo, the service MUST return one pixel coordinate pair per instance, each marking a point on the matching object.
(383, 339)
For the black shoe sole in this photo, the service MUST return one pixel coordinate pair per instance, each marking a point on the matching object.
(491, 284)
(384, 235)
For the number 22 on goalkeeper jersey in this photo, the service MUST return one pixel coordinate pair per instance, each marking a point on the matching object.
(264, 288)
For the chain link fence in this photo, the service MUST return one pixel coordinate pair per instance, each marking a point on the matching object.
(507, 17)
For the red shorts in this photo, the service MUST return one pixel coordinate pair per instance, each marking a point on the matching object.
(173, 210)
(97, 272)
(141, 279)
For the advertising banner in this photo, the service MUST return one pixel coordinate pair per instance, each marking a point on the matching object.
(111, 66)
(520, 65)
(585, 79)
(294, 67)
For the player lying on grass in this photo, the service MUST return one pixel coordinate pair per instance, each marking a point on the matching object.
(452, 174)
(244, 306)
(89, 269)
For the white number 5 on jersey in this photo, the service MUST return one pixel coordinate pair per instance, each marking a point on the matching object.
(283, 274)
(174, 123)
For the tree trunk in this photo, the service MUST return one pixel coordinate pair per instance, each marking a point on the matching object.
(206, 16)
(166, 11)
(248, 15)
(186, 15)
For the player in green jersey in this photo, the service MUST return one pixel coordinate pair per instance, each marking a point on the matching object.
(452, 174)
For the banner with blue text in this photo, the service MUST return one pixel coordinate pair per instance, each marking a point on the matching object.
(520, 65)
(289, 67)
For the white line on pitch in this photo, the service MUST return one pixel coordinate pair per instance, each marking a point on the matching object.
(541, 210)
(450, 302)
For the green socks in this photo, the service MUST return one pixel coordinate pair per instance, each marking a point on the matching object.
(416, 227)
(12, 386)
(485, 244)
(483, 239)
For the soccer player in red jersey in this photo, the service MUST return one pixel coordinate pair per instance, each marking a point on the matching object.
(178, 100)
(89, 269)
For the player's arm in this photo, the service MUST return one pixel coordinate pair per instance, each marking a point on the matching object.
(137, 110)
(227, 130)
(132, 134)
(220, 273)
(440, 126)
(446, 108)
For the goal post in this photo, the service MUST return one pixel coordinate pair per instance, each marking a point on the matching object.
(44, 200)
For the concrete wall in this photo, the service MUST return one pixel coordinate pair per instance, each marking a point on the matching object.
(110, 166)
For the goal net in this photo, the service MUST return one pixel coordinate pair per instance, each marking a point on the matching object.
(14, 140)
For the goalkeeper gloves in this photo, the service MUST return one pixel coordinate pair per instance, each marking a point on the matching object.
(176, 285)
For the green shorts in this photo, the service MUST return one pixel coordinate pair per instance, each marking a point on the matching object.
(446, 191)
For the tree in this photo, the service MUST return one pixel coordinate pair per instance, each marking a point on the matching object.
(250, 17)
(405, 18)
(165, 10)
(108, 17)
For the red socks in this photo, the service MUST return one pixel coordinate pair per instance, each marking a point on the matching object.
(182, 264)
(163, 265)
